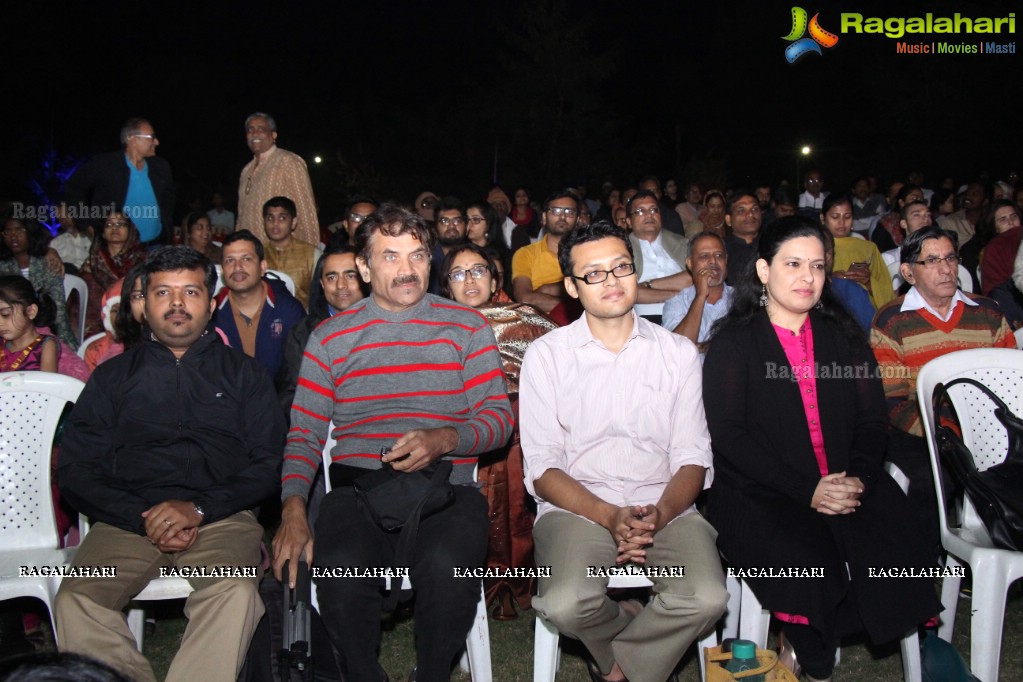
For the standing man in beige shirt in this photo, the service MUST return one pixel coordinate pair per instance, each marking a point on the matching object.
(274, 172)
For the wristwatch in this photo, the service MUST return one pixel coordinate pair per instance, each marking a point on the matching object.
(646, 284)
(199, 511)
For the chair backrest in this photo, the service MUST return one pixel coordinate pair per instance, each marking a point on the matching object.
(284, 277)
(220, 279)
(76, 283)
(1001, 370)
(88, 342)
(965, 281)
(327, 447)
(31, 404)
(896, 274)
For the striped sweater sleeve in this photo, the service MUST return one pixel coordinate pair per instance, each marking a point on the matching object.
(311, 413)
(489, 420)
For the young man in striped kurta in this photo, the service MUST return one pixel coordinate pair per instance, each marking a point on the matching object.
(418, 375)
(932, 319)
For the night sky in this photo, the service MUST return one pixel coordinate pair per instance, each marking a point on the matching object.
(398, 97)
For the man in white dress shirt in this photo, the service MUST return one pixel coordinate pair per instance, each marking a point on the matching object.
(616, 451)
(660, 256)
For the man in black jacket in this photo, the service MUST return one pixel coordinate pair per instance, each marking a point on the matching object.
(168, 449)
(134, 180)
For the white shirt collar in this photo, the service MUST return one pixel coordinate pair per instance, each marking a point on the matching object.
(914, 300)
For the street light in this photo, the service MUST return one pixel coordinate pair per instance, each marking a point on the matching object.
(803, 152)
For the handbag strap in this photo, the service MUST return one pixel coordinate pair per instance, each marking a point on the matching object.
(1013, 425)
(942, 389)
(405, 550)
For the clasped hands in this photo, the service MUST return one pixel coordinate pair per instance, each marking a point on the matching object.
(837, 494)
(173, 525)
(633, 528)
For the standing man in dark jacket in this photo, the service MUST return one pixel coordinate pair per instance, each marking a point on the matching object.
(168, 450)
(134, 180)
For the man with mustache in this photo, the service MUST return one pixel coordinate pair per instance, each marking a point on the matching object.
(964, 222)
(452, 224)
(694, 310)
(536, 275)
(660, 256)
(169, 448)
(402, 378)
(254, 314)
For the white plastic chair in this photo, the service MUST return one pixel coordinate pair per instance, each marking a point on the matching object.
(893, 270)
(752, 621)
(755, 620)
(158, 589)
(1001, 370)
(1019, 338)
(88, 342)
(30, 407)
(547, 639)
(284, 277)
(965, 281)
(476, 658)
(76, 283)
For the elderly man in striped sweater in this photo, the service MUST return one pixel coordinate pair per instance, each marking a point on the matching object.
(418, 377)
(932, 319)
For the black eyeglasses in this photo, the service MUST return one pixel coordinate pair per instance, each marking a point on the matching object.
(475, 271)
(934, 261)
(451, 221)
(598, 276)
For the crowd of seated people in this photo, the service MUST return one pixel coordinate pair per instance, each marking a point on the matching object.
(425, 315)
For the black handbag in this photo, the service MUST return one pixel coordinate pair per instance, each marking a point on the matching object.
(997, 492)
(398, 501)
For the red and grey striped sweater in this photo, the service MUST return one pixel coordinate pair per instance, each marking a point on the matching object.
(372, 375)
(904, 342)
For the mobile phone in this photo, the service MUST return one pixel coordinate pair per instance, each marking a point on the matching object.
(861, 265)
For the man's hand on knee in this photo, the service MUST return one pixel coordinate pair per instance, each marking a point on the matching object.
(293, 538)
(181, 541)
(164, 520)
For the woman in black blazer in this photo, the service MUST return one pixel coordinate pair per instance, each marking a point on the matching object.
(798, 423)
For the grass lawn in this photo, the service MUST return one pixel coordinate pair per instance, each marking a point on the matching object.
(512, 649)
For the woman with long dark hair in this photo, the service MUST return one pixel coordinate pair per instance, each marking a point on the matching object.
(797, 417)
(469, 276)
(115, 250)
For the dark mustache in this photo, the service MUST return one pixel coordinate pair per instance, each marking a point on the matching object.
(405, 279)
(167, 314)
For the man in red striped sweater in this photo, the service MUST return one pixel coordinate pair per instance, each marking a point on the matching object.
(932, 319)
(418, 377)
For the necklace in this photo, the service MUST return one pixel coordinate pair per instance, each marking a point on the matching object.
(17, 362)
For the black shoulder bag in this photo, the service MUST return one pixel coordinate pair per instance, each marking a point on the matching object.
(997, 493)
(397, 501)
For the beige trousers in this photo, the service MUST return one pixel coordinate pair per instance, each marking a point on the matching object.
(649, 646)
(222, 612)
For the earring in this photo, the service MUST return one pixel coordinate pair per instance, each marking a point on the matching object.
(763, 296)
(819, 305)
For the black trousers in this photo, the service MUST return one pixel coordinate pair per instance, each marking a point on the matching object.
(445, 605)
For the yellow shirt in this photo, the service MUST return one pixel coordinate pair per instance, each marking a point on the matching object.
(849, 250)
(298, 261)
(538, 263)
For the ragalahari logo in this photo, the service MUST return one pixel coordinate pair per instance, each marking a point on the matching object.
(801, 46)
